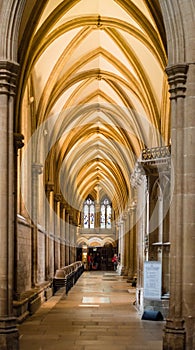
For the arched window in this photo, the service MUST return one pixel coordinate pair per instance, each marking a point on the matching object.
(89, 213)
(106, 213)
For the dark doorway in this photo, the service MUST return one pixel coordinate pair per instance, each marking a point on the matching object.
(102, 256)
(79, 254)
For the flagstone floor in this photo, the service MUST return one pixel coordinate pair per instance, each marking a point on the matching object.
(97, 314)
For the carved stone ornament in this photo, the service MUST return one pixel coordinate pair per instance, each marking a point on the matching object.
(57, 197)
(18, 140)
(177, 76)
(49, 187)
(8, 77)
(137, 175)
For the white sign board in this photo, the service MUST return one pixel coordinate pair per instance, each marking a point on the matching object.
(152, 279)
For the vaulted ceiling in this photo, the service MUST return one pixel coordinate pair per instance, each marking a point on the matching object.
(94, 72)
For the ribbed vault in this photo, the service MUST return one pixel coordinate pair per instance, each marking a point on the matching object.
(92, 73)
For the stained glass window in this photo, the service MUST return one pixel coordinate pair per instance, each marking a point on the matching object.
(102, 220)
(89, 213)
(108, 217)
(106, 214)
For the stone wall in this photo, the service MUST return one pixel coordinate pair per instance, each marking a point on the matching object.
(41, 256)
(23, 257)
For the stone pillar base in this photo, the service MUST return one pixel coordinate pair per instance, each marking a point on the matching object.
(9, 335)
(174, 337)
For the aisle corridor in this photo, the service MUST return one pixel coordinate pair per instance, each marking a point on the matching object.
(97, 314)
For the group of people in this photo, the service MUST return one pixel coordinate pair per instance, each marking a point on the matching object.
(94, 261)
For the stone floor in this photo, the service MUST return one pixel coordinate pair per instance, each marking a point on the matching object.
(97, 314)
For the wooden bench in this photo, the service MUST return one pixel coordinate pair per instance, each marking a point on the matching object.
(67, 276)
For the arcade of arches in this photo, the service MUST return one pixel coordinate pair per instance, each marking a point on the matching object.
(97, 150)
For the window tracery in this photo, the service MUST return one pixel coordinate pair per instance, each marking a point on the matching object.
(106, 213)
(91, 218)
(89, 213)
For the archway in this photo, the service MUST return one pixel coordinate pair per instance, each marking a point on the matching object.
(178, 19)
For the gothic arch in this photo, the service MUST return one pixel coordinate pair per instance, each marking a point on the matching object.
(9, 30)
(176, 29)
(18, 20)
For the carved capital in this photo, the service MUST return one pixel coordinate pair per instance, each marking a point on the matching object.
(8, 77)
(137, 175)
(49, 187)
(125, 217)
(57, 197)
(133, 206)
(63, 203)
(177, 76)
(18, 141)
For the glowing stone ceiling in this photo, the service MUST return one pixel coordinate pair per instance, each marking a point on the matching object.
(95, 70)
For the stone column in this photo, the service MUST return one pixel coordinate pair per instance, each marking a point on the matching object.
(141, 230)
(8, 330)
(18, 144)
(57, 198)
(181, 259)
(71, 239)
(49, 254)
(132, 243)
(127, 247)
(36, 171)
(139, 181)
(75, 233)
(122, 247)
(118, 230)
(166, 251)
(67, 226)
(62, 235)
(189, 210)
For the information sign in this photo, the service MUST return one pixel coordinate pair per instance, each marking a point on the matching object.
(152, 279)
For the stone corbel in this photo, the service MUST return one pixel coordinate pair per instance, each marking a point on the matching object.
(8, 77)
(18, 141)
(177, 76)
(49, 187)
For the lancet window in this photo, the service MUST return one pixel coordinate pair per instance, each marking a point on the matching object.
(89, 213)
(99, 216)
(106, 213)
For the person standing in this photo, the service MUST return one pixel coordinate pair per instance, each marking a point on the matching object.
(90, 261)
(115, 261)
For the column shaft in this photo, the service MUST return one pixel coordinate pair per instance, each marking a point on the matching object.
(72, 240)
(62, 236)
(67, 238)
(51, 234)
(127, 244)
(57, 232)
(36, 171)
(8, 331)
(132, 242)
(175, 335)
